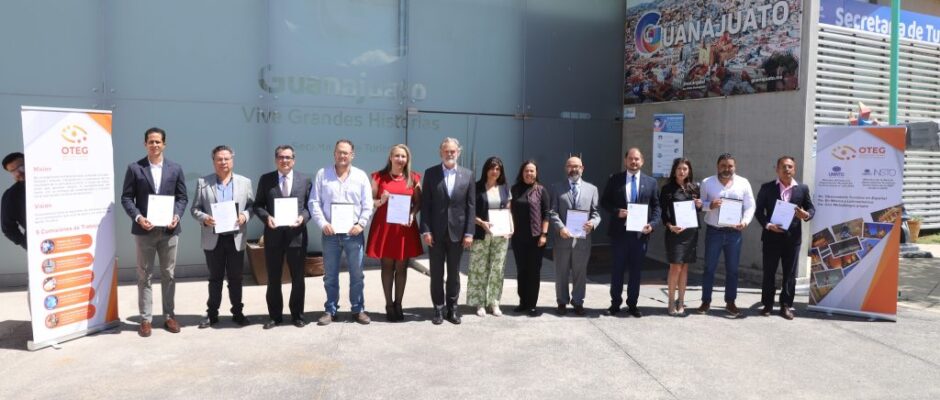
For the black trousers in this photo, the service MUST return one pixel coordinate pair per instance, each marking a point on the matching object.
(528, 255)
(274, 259)
(449, 253)
(225, 261)
(779, 252)
(629, 254)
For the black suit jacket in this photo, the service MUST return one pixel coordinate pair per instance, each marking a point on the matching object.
(138, 185)
(268, 190)
(615, 198)
(483, 207)
(13, 214)
(446, 216)
(767, 198)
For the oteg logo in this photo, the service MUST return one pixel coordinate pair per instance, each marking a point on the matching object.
(844, 152)
(75, 136)
(648, 35)
(872, 152)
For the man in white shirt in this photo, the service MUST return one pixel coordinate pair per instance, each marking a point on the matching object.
(725, 236)
(341, 204)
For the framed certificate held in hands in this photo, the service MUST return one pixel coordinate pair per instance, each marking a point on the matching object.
(501, 222)
(637, 217)
(730, 212)
(342, 217)
(160, 209)
(225, 214)
(574, 223)
(783, 214)
(686, 215)
(399, 209)
(285, 211)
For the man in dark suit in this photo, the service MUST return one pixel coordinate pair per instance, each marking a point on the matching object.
(781, 243)
(154, 175)
(629, 247)
(447, 215)
(13, 208)
(288, 241)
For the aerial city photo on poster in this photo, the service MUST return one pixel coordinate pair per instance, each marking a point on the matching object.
(677, 50)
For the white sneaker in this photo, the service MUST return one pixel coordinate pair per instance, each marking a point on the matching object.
(481, 312)
(496, 311)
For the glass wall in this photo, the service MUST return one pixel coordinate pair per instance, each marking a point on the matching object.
(513, 78)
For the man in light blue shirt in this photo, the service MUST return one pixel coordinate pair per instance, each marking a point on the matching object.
(342, 188)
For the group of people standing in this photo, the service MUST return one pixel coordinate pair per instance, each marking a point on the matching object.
(455, 215)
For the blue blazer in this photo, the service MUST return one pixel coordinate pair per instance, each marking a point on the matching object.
(615, 198)
(138, 184)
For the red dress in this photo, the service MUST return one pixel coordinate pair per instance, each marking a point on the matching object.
(393, 241)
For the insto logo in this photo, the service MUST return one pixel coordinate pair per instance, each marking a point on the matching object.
(844, 152)
(75, 137)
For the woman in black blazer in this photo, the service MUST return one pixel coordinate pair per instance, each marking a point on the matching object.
(488, 253)
(680, 243)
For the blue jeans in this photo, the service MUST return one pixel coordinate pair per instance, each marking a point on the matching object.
(333, 249)
(716, 241)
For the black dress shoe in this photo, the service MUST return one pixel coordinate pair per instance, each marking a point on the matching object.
(766, 311)
(612, 311)
(399, 314)
(579, 310)
(453, 316)
(438, 317)
(390, 314)
(534, 312)
(241, 320)
(270, 324)
(562, 309)
(786, 313)
(635, 312)
(299, 322)
(207, 322)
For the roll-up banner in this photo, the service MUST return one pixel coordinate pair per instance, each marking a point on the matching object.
(857, 228)
(70, 223)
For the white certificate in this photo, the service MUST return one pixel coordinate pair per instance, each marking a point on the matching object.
(575, 223)
(160, 209)
(686, 214)
(637, 217)
(225, 214)
(501, 222)
(342, 217)
(730, 212)
(783, 214)
(399, 209)
(285, 211)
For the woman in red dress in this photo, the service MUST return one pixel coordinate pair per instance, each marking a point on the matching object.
(394, 244)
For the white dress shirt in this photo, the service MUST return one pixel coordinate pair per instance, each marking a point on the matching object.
(738, 188)
(156, 171)
(450, 179)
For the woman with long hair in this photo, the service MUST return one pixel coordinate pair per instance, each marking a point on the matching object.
(681, 243)
(488, 253)
(530, 208)
(395, 244)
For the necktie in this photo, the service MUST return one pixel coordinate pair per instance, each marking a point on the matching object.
(633, 189)
(574, 193)
(284, 191)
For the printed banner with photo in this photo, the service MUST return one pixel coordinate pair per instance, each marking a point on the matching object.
(678, 49)
(667, 142)
(857, 227)
(70, 220)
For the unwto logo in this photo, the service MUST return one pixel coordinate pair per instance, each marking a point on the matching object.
(844, 152)
(836, 172)
(648, 35)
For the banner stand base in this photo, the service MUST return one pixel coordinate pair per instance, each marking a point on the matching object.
(862, 314)
(33, 346)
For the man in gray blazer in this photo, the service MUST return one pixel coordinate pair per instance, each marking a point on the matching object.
(154, 175)
(447, 215)
(224, 245)
(572, 253)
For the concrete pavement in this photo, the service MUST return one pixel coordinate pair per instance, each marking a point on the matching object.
(657, 356)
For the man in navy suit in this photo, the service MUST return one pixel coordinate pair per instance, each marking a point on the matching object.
(154, 175)
(781, 244)
(448, 209)
(284, 242)
(629, 248)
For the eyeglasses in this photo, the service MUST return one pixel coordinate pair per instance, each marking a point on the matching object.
(284, 158)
